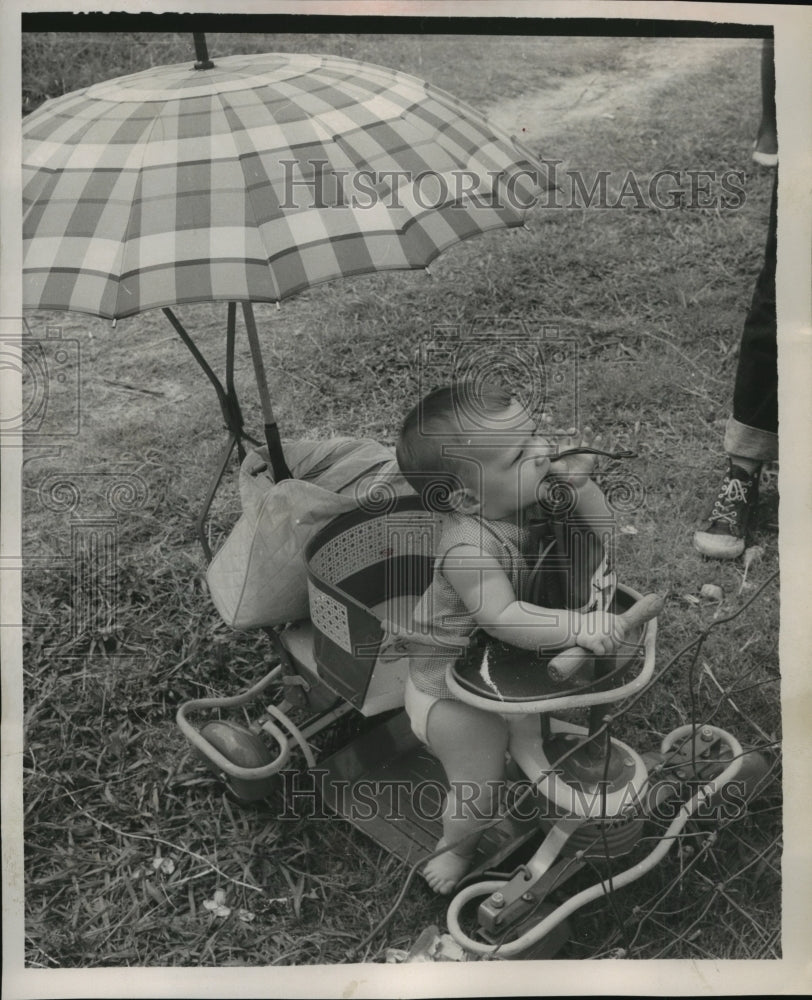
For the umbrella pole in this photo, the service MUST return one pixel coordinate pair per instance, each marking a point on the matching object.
(231, 391)
(275, 452)
(202, 517)
(229, 404)
(229, 407)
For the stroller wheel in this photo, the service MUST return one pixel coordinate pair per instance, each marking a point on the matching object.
(245, 749)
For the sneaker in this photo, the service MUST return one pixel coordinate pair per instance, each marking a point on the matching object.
(724, 531)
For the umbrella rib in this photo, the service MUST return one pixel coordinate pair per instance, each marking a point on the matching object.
(227, 111)
(136, 200)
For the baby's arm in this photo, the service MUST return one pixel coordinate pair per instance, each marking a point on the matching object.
(591, 508)
(591, 505)
(486, 591)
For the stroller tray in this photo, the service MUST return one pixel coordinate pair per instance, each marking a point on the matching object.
(389, 786)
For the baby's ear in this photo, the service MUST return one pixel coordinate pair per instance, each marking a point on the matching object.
(465, 502)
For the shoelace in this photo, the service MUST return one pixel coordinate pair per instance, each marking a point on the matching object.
(731, 493)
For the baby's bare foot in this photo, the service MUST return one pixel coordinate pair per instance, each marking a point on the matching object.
(443, 872)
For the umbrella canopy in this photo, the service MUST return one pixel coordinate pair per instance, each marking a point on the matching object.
(253, 180)
(248, 180)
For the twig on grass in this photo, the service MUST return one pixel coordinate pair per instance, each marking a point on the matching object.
(132, 388)
(693, 392)
(683, 355)
(719, 888)
(279, 370)
(166, 843)
(706, 668)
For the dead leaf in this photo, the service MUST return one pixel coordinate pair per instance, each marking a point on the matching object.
(217, 904)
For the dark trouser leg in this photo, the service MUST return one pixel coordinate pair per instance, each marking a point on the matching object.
(752, 431)
(751, 436)
(767, 137)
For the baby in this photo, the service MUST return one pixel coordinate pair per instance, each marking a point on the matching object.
(481, 447)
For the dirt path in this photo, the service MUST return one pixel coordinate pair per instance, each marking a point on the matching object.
(541, 114)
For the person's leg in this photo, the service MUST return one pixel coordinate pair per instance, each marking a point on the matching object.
(751, 435)
(752, 432)
(765, 149)
(471, 745)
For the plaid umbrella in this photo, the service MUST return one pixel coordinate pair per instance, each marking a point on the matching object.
(250, 179)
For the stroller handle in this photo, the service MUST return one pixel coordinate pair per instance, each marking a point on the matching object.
(567, 664)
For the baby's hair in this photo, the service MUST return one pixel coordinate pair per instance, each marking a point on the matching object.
(440, 418)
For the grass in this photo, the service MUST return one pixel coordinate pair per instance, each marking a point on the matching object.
(55, 63)
(653, 303)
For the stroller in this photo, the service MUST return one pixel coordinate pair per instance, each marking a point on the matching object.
(331, 563)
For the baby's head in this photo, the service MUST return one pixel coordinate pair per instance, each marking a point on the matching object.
(476, 445)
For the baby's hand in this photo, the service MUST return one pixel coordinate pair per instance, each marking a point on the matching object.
(576, 469)
(601, 633)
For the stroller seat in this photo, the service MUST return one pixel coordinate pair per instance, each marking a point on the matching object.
(366, 570)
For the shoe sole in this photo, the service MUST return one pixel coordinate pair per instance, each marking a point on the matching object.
(707, 544)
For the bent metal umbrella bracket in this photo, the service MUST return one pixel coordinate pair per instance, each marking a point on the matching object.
(230, 406)
(226, 181)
